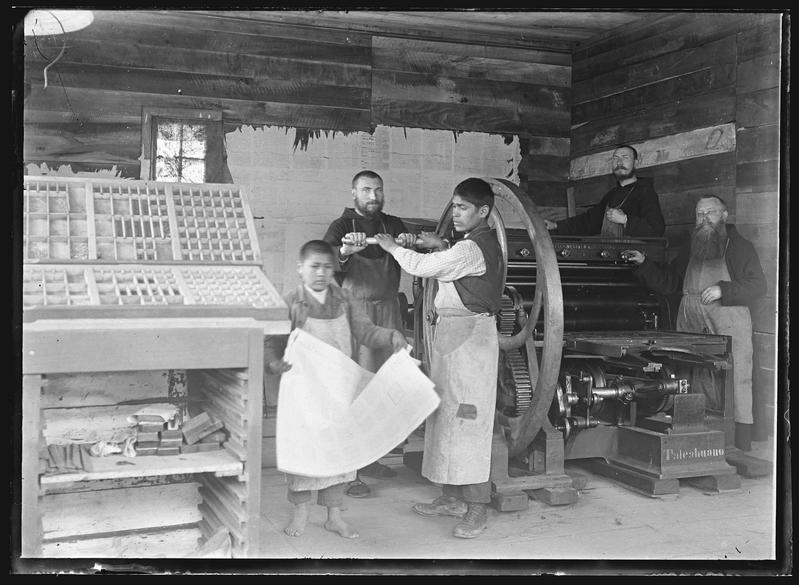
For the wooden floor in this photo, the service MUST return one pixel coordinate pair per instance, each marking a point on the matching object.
(607, 522)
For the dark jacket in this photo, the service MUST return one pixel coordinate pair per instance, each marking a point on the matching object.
(746, 285)
(344, 225)
(644, 218)
(303, 305)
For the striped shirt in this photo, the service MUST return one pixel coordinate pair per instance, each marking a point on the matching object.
(463, 259)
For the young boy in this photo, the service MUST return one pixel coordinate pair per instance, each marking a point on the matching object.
(463, 360)
(323, 309)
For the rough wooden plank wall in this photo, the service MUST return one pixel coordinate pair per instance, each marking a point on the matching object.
(758, 196)
(281, 74)
(666, 87)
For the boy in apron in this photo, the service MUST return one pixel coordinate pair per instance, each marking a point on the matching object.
(463, 364)
(323, 309)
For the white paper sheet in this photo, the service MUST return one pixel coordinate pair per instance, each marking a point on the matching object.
(334, 417)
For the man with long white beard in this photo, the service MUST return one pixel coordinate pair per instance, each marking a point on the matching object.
(719, 276)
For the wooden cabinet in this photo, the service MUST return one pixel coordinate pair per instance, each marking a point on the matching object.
(205, 315)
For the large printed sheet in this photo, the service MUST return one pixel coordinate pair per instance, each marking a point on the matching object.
(334, 416)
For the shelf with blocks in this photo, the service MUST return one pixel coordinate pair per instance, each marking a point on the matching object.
(140, 288)
(220, 463)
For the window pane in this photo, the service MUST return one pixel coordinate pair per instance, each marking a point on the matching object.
(166, 169)
(193, 171)
(168, 141)
(194, 140)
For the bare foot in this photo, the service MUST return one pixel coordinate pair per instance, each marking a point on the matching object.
(298, 520)
(339, 526)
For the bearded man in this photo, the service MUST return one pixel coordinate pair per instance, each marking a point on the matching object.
(720, 277)
(631, 208)
(372, 276)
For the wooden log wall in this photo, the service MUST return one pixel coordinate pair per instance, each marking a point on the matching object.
(260, 73)
(698, 96)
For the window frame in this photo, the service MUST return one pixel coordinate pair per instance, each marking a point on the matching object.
(214, 136)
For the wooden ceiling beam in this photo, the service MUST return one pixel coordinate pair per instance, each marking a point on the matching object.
(399, 27)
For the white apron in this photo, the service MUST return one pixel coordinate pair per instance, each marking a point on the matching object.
(718, 319)
(463, 366)
(335, 332)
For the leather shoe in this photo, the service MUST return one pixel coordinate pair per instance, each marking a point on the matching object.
(473, 523)
(377, 470)
(442, 506)
(358, 489)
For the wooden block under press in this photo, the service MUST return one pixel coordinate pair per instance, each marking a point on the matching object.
(141, 452)
(190, 448)
(168, 450)
(146, 437)
(147, 427)
(215, 437)
(193, 437)
(197, 422)
(171, 434)
(208, 446)
(146, 445)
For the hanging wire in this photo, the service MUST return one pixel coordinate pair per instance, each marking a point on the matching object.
(60, 54)
(51, 62)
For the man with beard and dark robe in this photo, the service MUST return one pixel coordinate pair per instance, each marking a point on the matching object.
(371, 275)
(631, 208)
(720, 277)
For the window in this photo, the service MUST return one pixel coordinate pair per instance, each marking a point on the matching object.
(182, 145)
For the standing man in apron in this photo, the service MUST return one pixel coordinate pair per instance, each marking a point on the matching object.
(372, 276)
(463, 360)
(719, 276)
(631, 208)
(329, 313)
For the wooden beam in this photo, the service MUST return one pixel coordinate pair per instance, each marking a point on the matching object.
(758, 144)
(522, 97)
(296, 91)
(388, 24)
(760, 40)
(758, 107)
(220, 24)
(662, 92)
(143, 58)
(169, 30)
(450, 60)
(664, 67)
(707, 109)
(623, 36)
(758, 176)
(392, 112)
(97, 105)
(759, 73)
(697, 29)
(668, 149)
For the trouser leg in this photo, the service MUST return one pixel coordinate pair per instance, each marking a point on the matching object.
(472, 493)
(333, 496)
(299, 497)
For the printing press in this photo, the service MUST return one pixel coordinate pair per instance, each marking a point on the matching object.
(591, 370)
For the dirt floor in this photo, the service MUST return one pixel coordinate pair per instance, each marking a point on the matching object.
(608, 522)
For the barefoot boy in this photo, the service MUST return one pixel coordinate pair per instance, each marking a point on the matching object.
(330, 313)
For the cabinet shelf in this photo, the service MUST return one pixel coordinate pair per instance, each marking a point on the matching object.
(221, 463)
